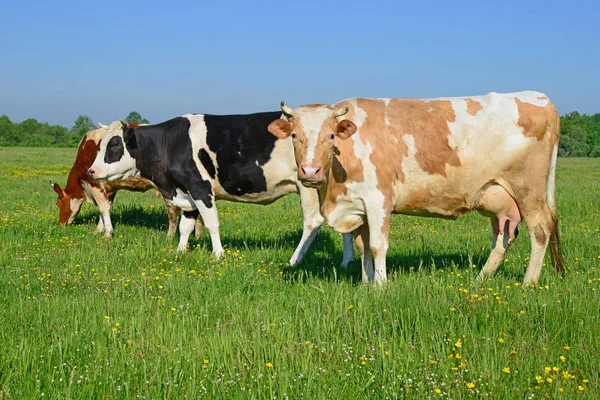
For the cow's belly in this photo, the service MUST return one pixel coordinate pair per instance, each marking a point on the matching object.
(266, 197)
(183, 200)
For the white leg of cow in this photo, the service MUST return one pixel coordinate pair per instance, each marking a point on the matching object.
(100, 226)
(361, 239)
(186, 226)
(378, 241)
(210, 217)
(313, 220)
(500, 244)
(348, 250)
(105, 215)
(540, 226)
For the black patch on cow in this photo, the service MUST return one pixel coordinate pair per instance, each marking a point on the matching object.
(191, 214)
(207, 162)
(163, 154)
(242, 145)
(114, 150)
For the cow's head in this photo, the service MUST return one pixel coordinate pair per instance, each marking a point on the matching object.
(114, 160)
(313, 129)
(68, 205)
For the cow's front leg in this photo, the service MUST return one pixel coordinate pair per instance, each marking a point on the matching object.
(309, 199)
(186, 226)
(361, 239)
(379, 228)
(104, 208)
(210, 217)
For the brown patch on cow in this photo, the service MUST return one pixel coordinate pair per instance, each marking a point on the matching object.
(132, 125)
(427, 122)
(473, 106)
(86, 154)
(533, 119)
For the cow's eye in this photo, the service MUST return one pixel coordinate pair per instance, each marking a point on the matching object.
(332, 136)
(294, 136)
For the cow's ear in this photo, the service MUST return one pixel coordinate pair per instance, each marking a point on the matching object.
(280, 128)
(129, 138)
(58, 190)
(345, 129)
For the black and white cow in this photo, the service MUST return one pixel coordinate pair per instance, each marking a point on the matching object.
(196, 159)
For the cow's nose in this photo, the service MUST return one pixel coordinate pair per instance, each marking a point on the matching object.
(310, 172)
(91, 173)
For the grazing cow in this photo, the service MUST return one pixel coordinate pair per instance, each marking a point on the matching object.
(195, 159)
(80, 187)
(437, 158)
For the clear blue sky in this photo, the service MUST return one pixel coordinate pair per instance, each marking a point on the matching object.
(167, 58)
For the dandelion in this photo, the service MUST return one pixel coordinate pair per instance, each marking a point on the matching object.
(501, 340)
(555, 369)
(506, 370)
(580, 388)
(437, 391)
(547, 370)
(563, 358)
(549, 380)
(106, 317)
(470, 385)
(458, 344)
(431, 362)
(269, 365)
(173, 309)
(539, 379)
(205, 361)
(350, 307)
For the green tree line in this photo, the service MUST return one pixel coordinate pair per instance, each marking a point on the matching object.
(580, 133)
(31, 133)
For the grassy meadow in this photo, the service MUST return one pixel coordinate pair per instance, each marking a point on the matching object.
(86, 317)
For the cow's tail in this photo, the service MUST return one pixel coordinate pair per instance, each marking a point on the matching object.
(556, 254)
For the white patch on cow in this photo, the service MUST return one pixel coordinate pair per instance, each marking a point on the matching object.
(430, 110)
(312, 126)
(197, 133)
(124, 168)
(183, 200)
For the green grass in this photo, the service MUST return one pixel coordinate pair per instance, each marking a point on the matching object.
(86, 317)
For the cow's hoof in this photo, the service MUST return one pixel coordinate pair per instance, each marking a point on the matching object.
(219, 254)
(182, 248)
(107, 235)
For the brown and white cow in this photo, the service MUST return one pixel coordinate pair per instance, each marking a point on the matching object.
(80, 187)
(437, 158)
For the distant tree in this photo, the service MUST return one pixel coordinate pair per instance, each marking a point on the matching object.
(82, 125)
(135, 117)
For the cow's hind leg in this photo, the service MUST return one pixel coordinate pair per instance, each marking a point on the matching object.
(505, 232)
(186, 226)
(210, 217)
(540, 225)
(173, 212)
